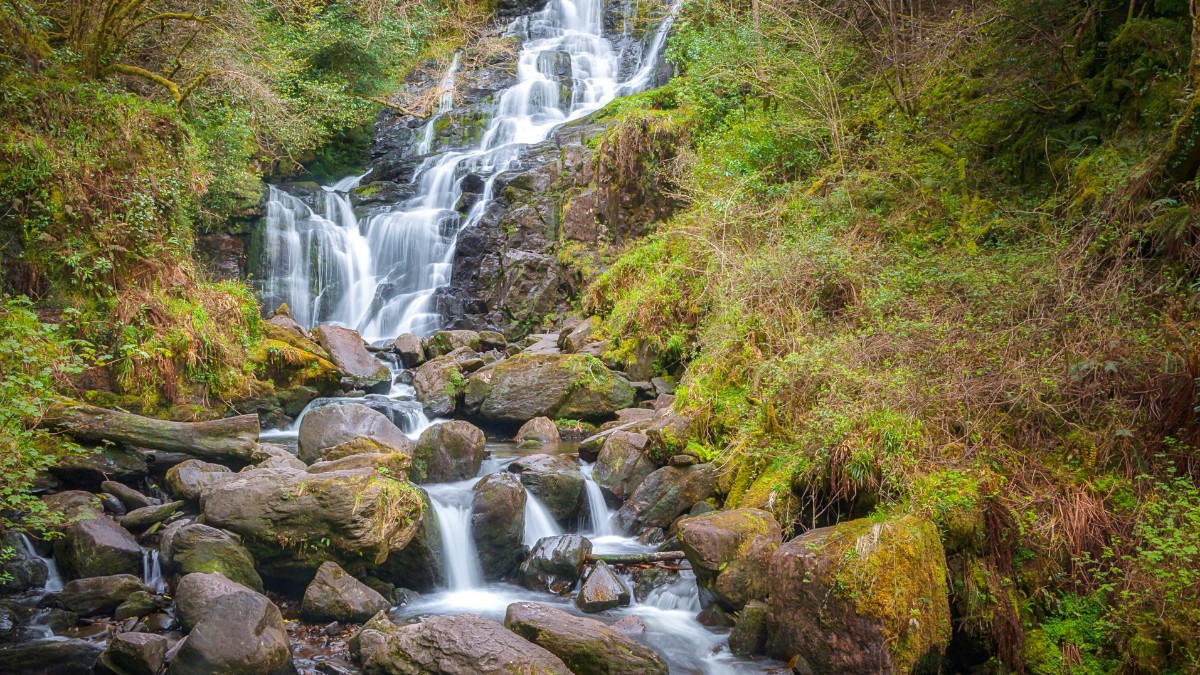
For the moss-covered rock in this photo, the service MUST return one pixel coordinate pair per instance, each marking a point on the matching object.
(438, 383)
(448, 452)
(573, 386)
(861, 596)
(498, 524)
(730, 552)
(200, 548)
(587, 646)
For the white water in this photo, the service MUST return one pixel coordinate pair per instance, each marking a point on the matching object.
(598, 513)
(452, 504)
(54, 581)
(538, 521)
(152, 574)
(379, 275)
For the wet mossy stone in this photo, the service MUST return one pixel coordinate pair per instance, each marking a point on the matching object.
(557, 386)
(587, 646)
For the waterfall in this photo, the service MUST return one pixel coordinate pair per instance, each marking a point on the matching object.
(379, 275)
(452, 504)
(598, 512)
(538, 521)
(54, 581)
(152, 570)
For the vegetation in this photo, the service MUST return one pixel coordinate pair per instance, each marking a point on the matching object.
(941, 258)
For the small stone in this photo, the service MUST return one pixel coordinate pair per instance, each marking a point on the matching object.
(682, 461)
(601, 590)
(138, 604)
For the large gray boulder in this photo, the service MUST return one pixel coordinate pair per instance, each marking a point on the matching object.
(464, 644)
(448, 452)
(557, 386)
(97, 546)
(587, 646)
(135, 654)
(554, 479)
(498, 524)
(730, 552)
(665, 495)
(334, 595)
(99, 595)
(622, 464)
(555, 563)
(349, 353)
(200, 548)
(292, 521)
(231, 629)
(332, 426)
(188, 479)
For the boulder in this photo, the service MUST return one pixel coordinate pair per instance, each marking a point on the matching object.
(587, 646)
(601, 589)
(232, 629)
(576, 338)
(558, 386)
(138, 604)
(665, 495)
(132, 499)
(498, 524)
(268, 456)
(331, 426)
(418, 566)
(538, 431)
(135, 653)
(99, 595)
(860, 596)
(26, 570)
(554, 479)
(438, 384)
(349, 353)
(50, 657)
(445, 341)
(448, 452)
(393, 464)
(334, 595)
(749, 635)
(200, 548)
(463, 644)
(490, 339)
(188, 479)
(555, 563)
(140, 519)
(408, 348)
(355, 518)
(730, 552)
(97, 546)
(621, 465)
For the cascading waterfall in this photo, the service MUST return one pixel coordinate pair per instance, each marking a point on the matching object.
(538, 521)
(152, 574)
(379, 276)
(598, 513)
(54, 581)
(452, 504)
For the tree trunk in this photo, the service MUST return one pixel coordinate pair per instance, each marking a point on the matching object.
(636, 558)
(232, 438)
(1182, 157)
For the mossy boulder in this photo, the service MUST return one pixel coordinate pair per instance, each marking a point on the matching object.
(730, 552)
(231, 629)
(463, 643)
(438, 383)
(200, 548)
(555, 563)
(665, 495)
(342, 429)
(498, 524)
(349, 353)
(861, 596)
(448, 452)
(622, 464)
(557, 386)
(445, 341)
(189, 478)
(99, 595)
(418, 566)
(555, 479)
(587, 646)
(95, 546)
(292, 521)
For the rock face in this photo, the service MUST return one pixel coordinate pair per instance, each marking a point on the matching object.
(555, 563)
(231, 629)
(557, 386)
(200, 548)
(498, 524)
(730, 551)
(555, 479)
(602, 589)
(334, 595)
(448, 452)
(189, 478)
(348, 352)
(665, 495)
(454, 645)
(97, 546)
(358, 518)
(330, 426)
(537, 431)
(860, 596)
(621, 465)
(587, 646)
(99, 595)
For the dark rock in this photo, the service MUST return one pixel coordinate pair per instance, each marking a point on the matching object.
(92, 468)
(188, 479)
(330, 426)
(730, 552)
(448, 452)
(224, 256)
(463, 644)
(538, 431)
(233, 629)
(334, 595)
(587, 646)
(138, 604)
(664, 495)
(683, 461)
(50, 657)
(714, 617)
(96, 547)
(555, 563)
(99, 595)
(132, 499)
(200, 548)
(135, 653)
(555, 479)
(749, 636)
(622, 465)
(498, 524)
(601, 590)
(26, 570)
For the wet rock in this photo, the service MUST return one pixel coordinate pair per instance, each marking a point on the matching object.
(445, 341)
(749, 635)
(631, 626)
(438, 384)
(860, 596)
(682, 461)
(714, 617)
(26, 571)
(349, 353)
(554, 479)
(571, 386)
(359, 517)
(140, 519)
(97, 546)
(135, 654)
(538, 431)
(448, 452)
(418, 566)
(392, 464)
(601, 590)
(334, 595)
(331, 426)
(463, 644)
(622, 465)
(50, 657)
(555, 563)
(92, 468)
(664, 495)
(233, 629)
(587, 646)
(730, 552)
(138, 604)
(132, 499)
(99, 595)
(188, 479)
(498, 524)
(408, 347)
(160, 622)
(200, 548)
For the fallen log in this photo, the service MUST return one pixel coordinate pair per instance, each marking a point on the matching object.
(636, 558)
(231, 438)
